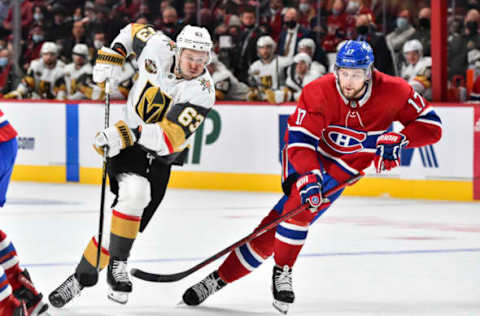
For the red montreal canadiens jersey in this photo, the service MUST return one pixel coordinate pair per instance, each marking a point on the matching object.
(332, 134)
(7, 132)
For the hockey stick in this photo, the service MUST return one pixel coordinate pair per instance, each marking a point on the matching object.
(104, 177)
(152, 277)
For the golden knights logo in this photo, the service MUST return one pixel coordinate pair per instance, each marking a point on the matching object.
(150, 66)
(172, 45)
(152, 104)
(205, 85)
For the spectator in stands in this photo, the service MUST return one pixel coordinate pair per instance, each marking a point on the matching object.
(246, 44)
(366, 32)
(40, 15)
(423, 30)
(170, 22)
(227, 87)
(403, 32)
(60, 28)
(267, 75)
(460, 46)
(31, 47)
(416, 69)
(358, 7)
(291, 34)
(274, 17)
(189, 13)
(26, 15)
(307, 46)
(6, 71)
(336, 27)
(45, 77)
(306, 12)
(98, 40)
(77, 36)
(77, 14)
(299, 74)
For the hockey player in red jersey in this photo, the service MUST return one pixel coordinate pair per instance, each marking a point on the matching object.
(18, 296)
(340, 125)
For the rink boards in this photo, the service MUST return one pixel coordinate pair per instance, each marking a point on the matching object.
(238, 149)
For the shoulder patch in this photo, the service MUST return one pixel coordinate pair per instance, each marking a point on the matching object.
(150, 66)
(172, 45)
(205, 84)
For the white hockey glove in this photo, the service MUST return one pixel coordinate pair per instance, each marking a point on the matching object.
(108, 65)
(116, 138)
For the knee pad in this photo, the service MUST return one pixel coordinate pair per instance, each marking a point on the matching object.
(133, 194)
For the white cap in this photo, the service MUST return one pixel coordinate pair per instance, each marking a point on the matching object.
(80, 49)
(413, 45)
(308, 42)
(49, 47)
(302, 57)
(266, 40)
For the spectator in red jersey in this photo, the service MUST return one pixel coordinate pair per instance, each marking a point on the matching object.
(32, 46)
(26, 13)
(336, 24)
(6, 71)
(306, 12)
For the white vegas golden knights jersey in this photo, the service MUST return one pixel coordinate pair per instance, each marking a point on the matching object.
(419, 75)
(270, 75)
(177, 107)
(75, 79)
(42, 82)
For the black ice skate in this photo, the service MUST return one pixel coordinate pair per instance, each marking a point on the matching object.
(282, 289)
(63, 294)
(118, 280)
(198, 293)
(30, 295)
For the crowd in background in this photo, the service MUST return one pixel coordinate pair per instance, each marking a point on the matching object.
(264, 50)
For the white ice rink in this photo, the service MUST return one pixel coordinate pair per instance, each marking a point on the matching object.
(365, 256)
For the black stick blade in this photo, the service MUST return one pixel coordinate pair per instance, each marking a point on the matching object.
(153, 277)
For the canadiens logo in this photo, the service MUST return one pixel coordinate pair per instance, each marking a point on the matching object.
(150, 66)
(343, 140)
(205, 85)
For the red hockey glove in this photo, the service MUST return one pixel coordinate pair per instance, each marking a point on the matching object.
(310, 188)
(388, 151)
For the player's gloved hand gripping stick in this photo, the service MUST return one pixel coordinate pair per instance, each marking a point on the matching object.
(388, 154)
(180, 275)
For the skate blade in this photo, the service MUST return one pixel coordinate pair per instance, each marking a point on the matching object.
(118, 297)
(282, 307)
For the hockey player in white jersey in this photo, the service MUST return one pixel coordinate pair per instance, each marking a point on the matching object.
(417, 69)
(267, 75)
(299, 74)
(78, 76)
(45, 77)
(307, 45)
(170, 99)
(227, 86)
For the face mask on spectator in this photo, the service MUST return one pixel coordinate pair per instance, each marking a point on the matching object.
(362, 29)
(290, 24)
(38, 16)
(3, 61)
(98, 44)
(335, 12)
(37, 38)
(304, 7)
(424, 23)
(402, 23)
(472, 26)
(352, 7)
